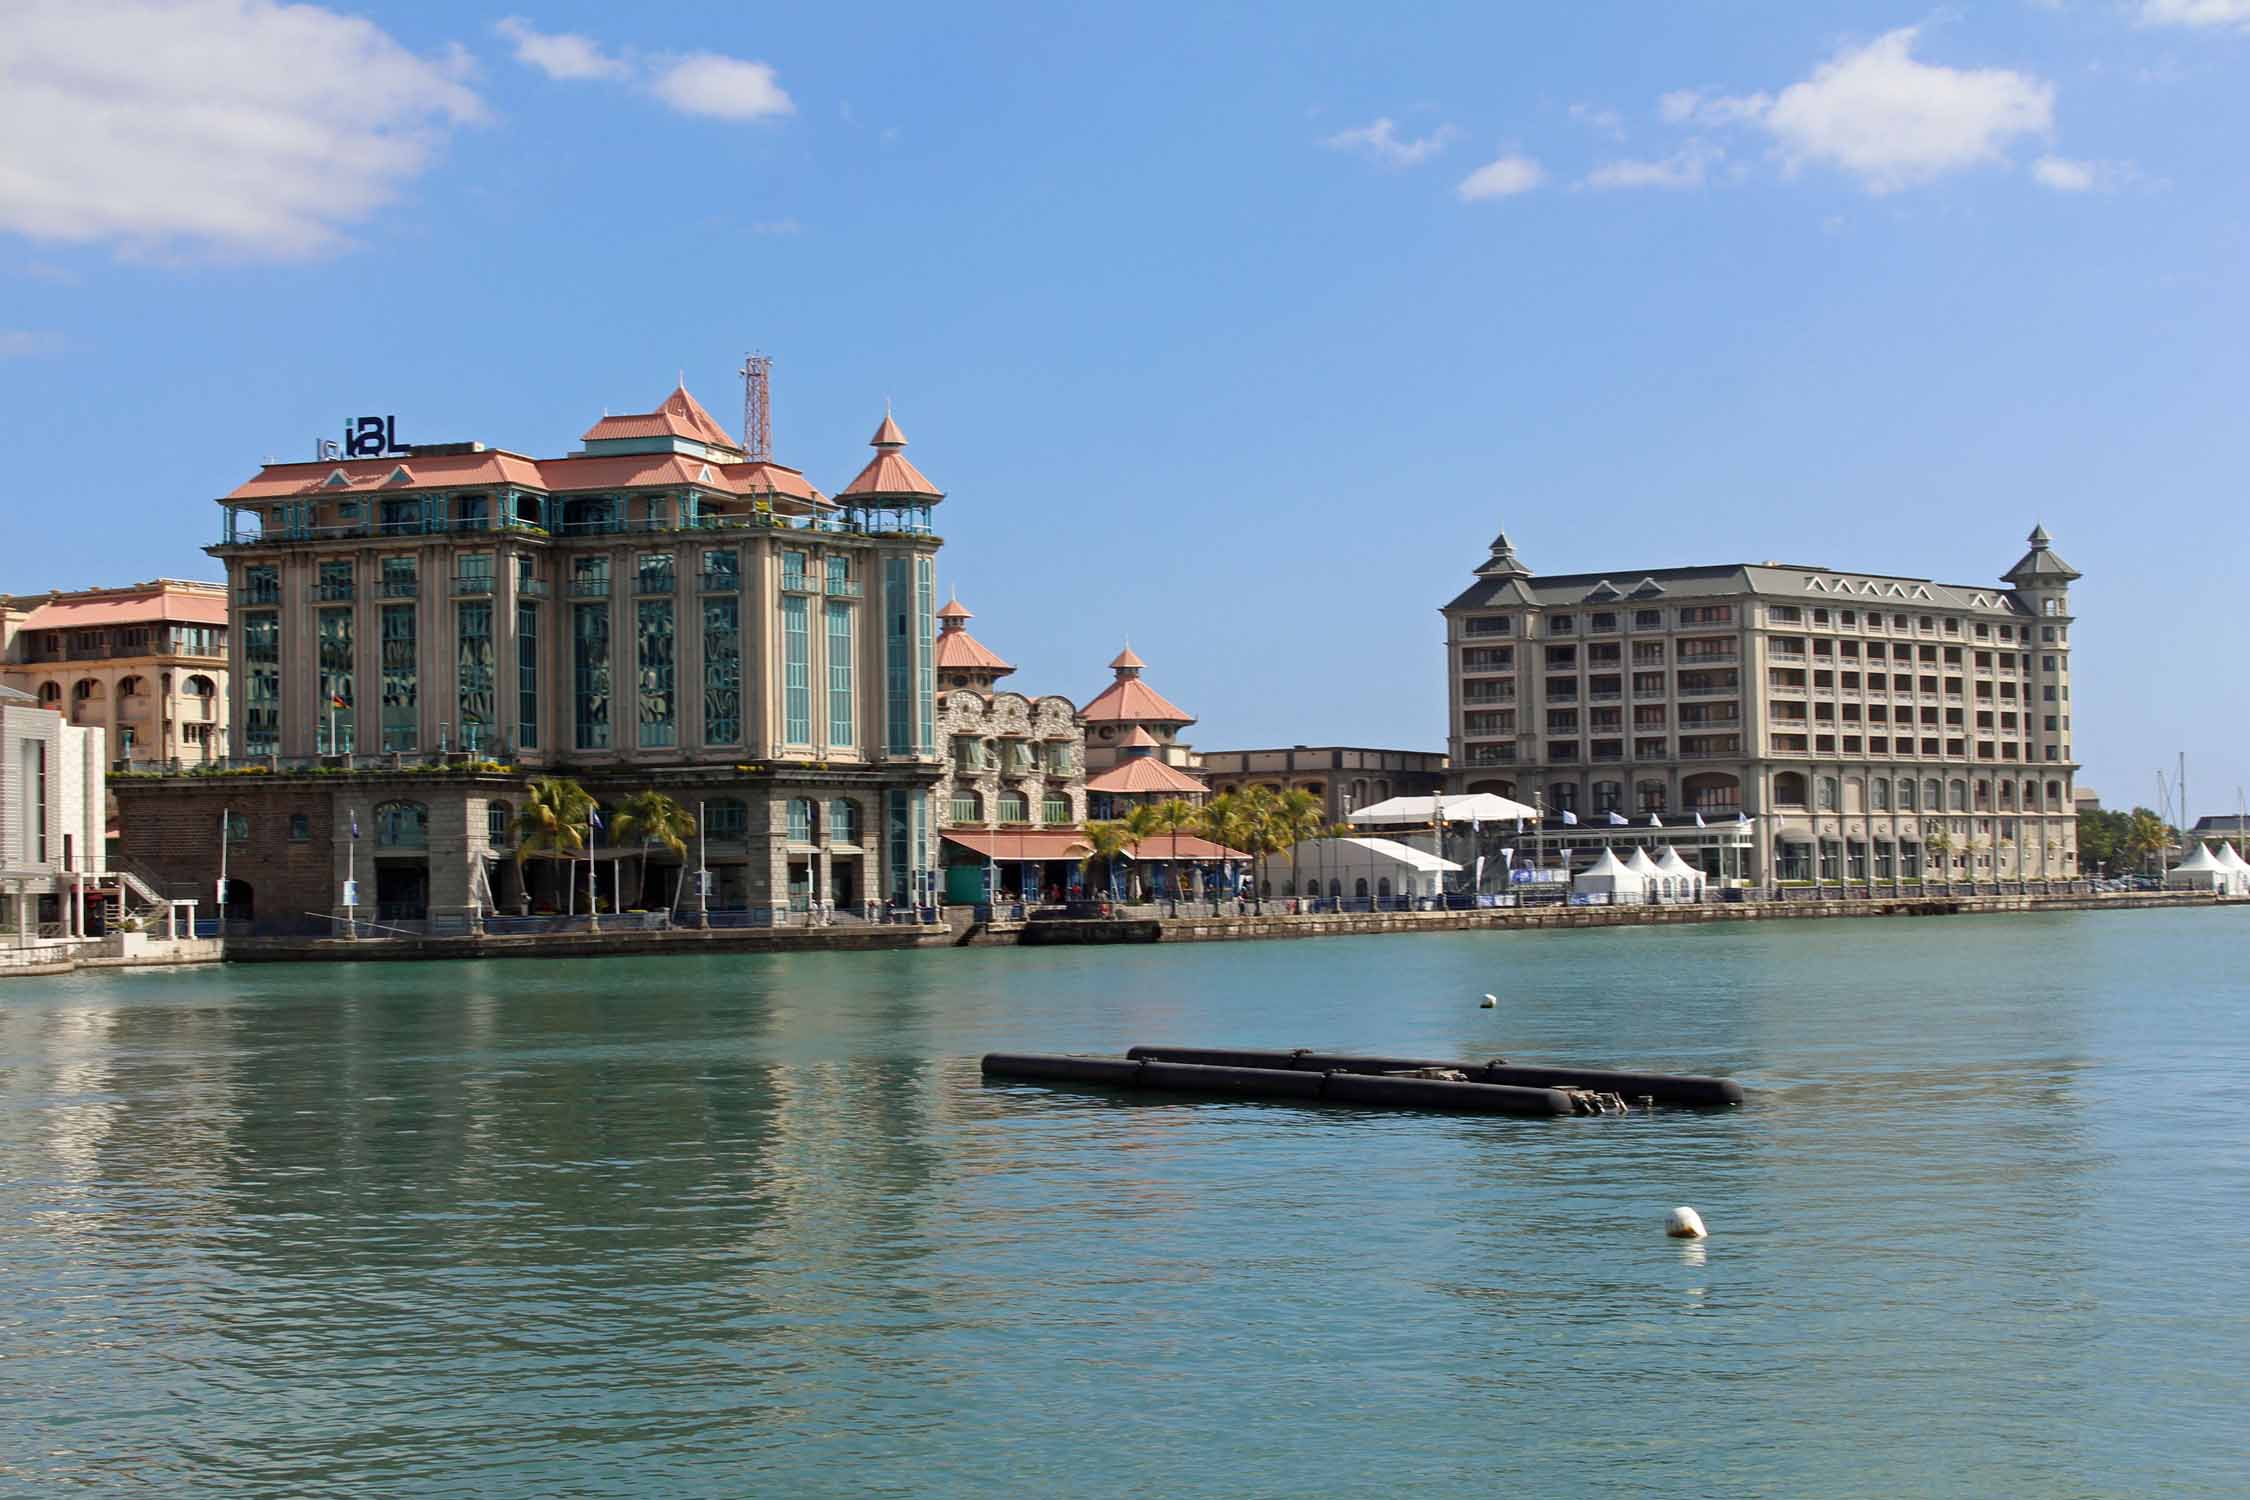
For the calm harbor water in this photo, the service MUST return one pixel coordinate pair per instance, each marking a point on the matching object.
(752, 1225)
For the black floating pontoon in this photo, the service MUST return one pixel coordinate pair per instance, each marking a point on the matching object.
(1495, 1087)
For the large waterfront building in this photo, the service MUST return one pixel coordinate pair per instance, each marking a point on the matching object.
(145, 663)
(654, 610)
(1012, 794)
(1343, 777)
(1873, 726)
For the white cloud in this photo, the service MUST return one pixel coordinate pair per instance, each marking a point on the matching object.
(1380, 142)
(1885, 117)
(777, 226)
(1511, 174)
(1691, 106)
(2195, 12)
(241, 126)
(2064, 175)
(1684, 168)
(33, 343)
(562, 55)
(723, 88)
(1600, 119)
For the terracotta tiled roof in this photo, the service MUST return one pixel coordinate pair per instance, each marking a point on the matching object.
(960, 651)
(148, 608)
(1132, 700)
(955, 610)
(681, 415)
(1003, 845)
(1140, 737)
(1143, 773)
(1126, 658)
(553, 475)
(888, 474)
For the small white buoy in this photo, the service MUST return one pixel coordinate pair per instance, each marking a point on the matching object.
(1488, 1002)
(1684, 1223)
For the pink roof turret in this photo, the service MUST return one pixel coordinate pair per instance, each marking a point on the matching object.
(889, 477)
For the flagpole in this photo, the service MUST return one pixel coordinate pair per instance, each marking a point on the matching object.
(351, 873)
(593, 892)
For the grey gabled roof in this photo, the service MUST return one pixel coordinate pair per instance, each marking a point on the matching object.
(1795, 583)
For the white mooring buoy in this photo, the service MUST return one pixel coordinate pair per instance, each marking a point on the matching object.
(1684, 1223)
(1488, 1002)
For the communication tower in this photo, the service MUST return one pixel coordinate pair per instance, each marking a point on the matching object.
(757, 407)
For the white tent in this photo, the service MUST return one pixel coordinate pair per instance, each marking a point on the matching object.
(2200, 871)
(1640, 864)
(1462, 808)
(1362, 867)
(1608, 876)
(2237, 867)
(1682, 881)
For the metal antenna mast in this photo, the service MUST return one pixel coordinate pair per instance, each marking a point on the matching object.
(757, 407)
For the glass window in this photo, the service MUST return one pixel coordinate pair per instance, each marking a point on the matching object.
(722, 568)
(796, 661)
(792, 570)
(477, 671)
(722, 670)
(841, 715)
(657, 684)
(728, 818)
(654, 573)
(334, 732)
(261, 695)
(843, 821)
(401, 717)
(800, 820)
(898, 659)
(527, 676)
(499, 822)
(300, 828)
(402, 825)
(590, 672)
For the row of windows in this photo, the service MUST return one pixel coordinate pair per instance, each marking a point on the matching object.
(1602, 622)
(89, 690)
(1009, 807)
(1912, 795)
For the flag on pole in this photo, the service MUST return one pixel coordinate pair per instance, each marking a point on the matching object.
(1699, 821)
(1742, 817)
(1476, 825)
(336, 700)
(1570, 819)
(355, 824)
(1480, 873)
(594, 819)
(1616, 818)
(1654, 821)
(1507, 859)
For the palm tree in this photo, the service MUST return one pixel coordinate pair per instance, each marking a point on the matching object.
(2146, 837)
(1107, 842)
(1940, 843)
(1224, 820)
(1298, 817)
(652, 818)
(1172, 815)
(1142, 821)
(552, 820)
(1261, 831)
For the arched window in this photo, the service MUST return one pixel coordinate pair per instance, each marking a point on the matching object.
(843, 821)
(2054, 794)
(1906, 794)
(1984, 795)
(1608, 795)
(1359, 888)
(803, 821)
(1789, 789)
(402, 825)
(1563, 795)
(1959, 791)
(1827, 794)
(2030, 795)
(50, 693)
(1054, 809)
(131, 687)
(86, 689)
(1933, 796)
(1383, 889)
(1335, 889)
(499, 822)
(200, 686)
(1014, 807)
(2008, 794)
(1882, 792)
(726, 818)
(1649, 796)
(965, 806)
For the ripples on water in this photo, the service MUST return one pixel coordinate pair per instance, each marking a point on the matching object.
(717, 1227)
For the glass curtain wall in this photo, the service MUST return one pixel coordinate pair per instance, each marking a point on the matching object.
(658, 667)
(527, 676)
(401, 714)
(334, 732)
(722, 670)
(590, 670)
(477, 675)
(261, 689)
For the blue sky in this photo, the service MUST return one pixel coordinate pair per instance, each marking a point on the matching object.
(1236, 331)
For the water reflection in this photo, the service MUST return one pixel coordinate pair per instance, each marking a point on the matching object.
(692, 1227)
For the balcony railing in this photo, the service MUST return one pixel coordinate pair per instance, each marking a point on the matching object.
(531, 588)
(656, 581)
(719, 583)
(333, 592)
(589, 588)
(473, 583)
(400, 588)
(844, 588)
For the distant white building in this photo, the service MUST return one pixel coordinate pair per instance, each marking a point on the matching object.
(1360, 868)
(51, 820)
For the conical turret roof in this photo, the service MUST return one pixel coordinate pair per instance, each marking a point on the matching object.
(2042, 565)
(889, 475)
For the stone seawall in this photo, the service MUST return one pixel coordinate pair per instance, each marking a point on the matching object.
(1344, 924)
(592, 944)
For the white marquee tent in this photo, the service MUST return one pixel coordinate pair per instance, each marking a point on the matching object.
(1611, 877)
(2200, 871)
(1463, 808)
(1357, 867)
(2237, 867)
(1681, 881)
